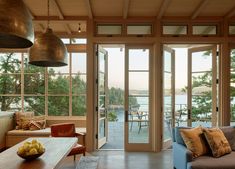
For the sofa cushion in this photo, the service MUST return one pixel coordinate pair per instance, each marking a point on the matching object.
(195, 141)
(217, 141)
(178, 137)
(207, 162)
(229, 133)
(20, 115)
(25, 121)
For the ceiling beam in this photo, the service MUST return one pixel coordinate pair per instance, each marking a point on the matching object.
(163, 8)
(125, 8)
(58, 9)
(68, 29)
(89, 8)
(230, 13)
(41, 27)
(199, 8)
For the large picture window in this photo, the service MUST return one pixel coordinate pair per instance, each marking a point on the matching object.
(52, 91)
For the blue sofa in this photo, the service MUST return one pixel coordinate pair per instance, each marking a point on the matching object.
(182, 157)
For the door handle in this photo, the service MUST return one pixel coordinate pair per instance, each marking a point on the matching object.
(126, 116)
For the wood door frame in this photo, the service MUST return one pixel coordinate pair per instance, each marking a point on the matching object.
(138, 146)
(213, 48)
(167, 143)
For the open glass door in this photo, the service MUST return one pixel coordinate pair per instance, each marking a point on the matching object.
(137, 99)
(102, 96)
(202, 88)
(168, 94)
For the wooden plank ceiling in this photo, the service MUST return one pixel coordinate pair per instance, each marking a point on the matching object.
(65, 15)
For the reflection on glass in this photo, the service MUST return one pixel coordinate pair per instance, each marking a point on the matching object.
(101, 83)
(35, 104)
(204, 30)
(78, 105)
(58, 105)
(101, 129)
(167, 92)
(232, 86)
(79, 41)
(139, 59)
(139, 29)
(174, 30)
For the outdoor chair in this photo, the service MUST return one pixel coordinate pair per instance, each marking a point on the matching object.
(68, 130)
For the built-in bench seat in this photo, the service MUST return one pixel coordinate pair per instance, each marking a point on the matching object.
(15, 136)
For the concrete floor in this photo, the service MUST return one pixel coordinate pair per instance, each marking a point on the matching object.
(128, 160)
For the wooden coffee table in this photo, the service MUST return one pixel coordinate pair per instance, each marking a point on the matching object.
(56, 150)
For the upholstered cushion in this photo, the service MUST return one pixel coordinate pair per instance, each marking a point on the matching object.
(195, 141)
(37, 124)
(229, 133)
(208, 162)
(19, 115)
(25, 121)
(218, 143)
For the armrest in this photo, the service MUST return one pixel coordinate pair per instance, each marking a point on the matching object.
(83, 137)
(80, 134)
(181, 156)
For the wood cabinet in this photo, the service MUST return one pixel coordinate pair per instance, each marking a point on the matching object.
(6, 124)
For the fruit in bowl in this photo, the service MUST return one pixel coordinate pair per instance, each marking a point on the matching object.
(31, 150)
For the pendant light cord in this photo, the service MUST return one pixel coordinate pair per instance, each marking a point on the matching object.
(48, 14)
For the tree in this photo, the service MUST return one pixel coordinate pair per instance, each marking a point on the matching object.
(34, 84)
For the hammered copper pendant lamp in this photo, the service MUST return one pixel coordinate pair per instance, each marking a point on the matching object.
(16, 26)
(48, 50)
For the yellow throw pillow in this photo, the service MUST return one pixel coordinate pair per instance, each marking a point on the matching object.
(19, 115)
(25, 121)
(218, 143)
(195, 141)
(37, 124)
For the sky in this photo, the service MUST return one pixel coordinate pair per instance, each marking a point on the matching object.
(138, 60)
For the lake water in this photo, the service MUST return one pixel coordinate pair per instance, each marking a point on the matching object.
(180, 100)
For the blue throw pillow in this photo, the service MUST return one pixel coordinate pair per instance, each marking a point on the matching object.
(178, 137)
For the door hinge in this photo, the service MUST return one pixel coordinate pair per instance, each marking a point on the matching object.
(96, 108)
(217, 53)
(96, 53)
(217, 81)
(217, 109)
(96, 81)
(96, 136)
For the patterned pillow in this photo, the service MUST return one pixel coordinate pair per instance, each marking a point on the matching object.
(19, 115)
(195, 141)
(217, 141)
(37, 124)
(25, 121)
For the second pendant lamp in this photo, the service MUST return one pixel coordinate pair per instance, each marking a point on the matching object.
(48, 49)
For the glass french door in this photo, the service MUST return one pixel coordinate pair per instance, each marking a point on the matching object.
(168, 94)
(202, 86)
(137, 98)
(102, 96)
